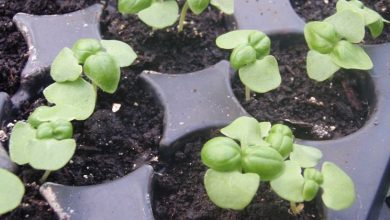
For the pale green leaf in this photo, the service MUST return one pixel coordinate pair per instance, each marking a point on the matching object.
(244, 129)
(198, 6)
(289, 185)
(371, 16)
(226, 6)
(73, 100)
(265, 127)
(132, 6)
(104, 71)
(11, 191)
(51, 154)
(348, 24)
(233, 39)
(231, 190)
(262, 76)
(351, 56)
(123, 54)
(376, 28)
(19, 148)
(160, 14)
(65, 66)
(338, 187)
(321, 36)
(305, 156)
(320, 67)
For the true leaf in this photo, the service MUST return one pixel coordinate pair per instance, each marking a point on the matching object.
(233, 39)
(51, 154)
(351, 56)
(339, 190)
(289, 184)
(348, 24)
(86, 47)
(305, 156)
(160, 14)
(231, 190)
(320, 36)
(319, 66)
(262, 75)
(244, 129)
(65, 66)
(221, 154)
(19, 148)
(11, 191)
(226, 6)
(123, 54)
(104, 71)
(73, 100)
(198, 6)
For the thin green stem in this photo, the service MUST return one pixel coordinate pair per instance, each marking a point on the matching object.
(247, 94)
(45, 176)
(183, 16)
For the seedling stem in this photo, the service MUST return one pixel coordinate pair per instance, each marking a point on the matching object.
(247, 93)
(296, 209)
(45, 176)
(183, 16)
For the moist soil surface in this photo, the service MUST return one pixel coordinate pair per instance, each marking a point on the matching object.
(316, 10)
(112, 144)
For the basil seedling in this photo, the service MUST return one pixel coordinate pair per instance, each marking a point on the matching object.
(45, 140)
(162, 14)
(267, 153)
(257, 70)
(334, 42)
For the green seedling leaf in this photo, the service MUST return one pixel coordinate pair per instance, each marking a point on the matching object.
(261, 76)
(73, 100)
(321, 36)
(313, 174)
(231, 190)
(104, 71)
(226, 6)
(242, 56)
(244, 129)
(370, 16)
(221, 154)
(265, 161)
(19, 148)
(265, 127)
(351, 56)
(122, 53)
(160, 14)
(198, 6)
(59, 130)
(349, 25)
(310, 190)
(51, 154)
(133, 6)
(233, 39)
(305, 156)
(11, 191)
(282, 143)
(339, 190)
(376, 28)
(65, 66)
(289, 184)
(86, 47)
(261, 43)
(320, 67)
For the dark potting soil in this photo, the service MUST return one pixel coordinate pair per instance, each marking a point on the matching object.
(316, 10)
(315, 110)
(179, 192)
